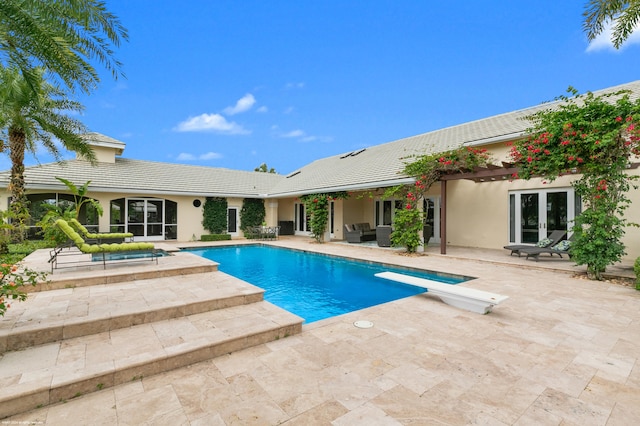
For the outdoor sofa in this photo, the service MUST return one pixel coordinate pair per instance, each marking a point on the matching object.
(359, 232)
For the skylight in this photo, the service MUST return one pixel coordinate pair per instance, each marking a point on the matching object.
(353, 153)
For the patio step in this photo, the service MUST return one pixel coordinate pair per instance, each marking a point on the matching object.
(177, 264)
(49, 316)
(148, 331)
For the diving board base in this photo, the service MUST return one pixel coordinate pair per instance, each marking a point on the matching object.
(481, 302)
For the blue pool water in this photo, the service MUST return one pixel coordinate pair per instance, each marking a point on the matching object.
(315, 286)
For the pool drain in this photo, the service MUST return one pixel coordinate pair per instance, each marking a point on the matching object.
(363, 324)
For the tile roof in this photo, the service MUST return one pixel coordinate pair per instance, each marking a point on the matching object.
(373, 167)
(147, 177)
(382, 165)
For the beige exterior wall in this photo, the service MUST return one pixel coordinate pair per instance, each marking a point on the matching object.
(271, 212)
(286, 209)
(103, 154)
(358, 210)
(189, 216)
(478, 213)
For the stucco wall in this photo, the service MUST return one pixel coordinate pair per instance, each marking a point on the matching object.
(285, 209)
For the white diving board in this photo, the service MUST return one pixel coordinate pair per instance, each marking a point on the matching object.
(461, 297)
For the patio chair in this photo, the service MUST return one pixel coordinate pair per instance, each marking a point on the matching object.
(359, 232)
(383, 235)
(111, 237)
(555, 237)
(561, 248)
(99, 250)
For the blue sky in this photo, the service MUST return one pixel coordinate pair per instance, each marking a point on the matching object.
(234, 84)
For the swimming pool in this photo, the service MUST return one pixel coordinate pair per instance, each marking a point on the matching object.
(315, 286)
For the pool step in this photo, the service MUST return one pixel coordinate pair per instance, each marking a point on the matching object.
(152, 326)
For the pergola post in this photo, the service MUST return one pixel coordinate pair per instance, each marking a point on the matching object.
(443, 217)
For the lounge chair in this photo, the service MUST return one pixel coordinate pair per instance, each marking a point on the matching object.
(561, 248)
(97, 250)
(555, 237)
(111, 237)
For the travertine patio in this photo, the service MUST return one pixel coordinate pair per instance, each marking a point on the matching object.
(560, 351)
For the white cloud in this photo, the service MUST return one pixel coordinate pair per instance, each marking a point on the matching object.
(183, 156)
(210, 156)
(603, 40)
(294, 85)
(212, 123)
(293, 134)
(262, 109)
(244, 104)
(300, 135)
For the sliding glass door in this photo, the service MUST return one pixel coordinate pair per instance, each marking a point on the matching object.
(149, 219)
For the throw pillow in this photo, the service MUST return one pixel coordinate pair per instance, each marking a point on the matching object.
(562, 245)
(544, 242)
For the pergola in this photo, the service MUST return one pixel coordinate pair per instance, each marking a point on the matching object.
(489, 173)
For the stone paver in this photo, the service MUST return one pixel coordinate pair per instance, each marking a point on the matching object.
(560, 351)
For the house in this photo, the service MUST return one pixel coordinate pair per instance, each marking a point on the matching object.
(158, 201)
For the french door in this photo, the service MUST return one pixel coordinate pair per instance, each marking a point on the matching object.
(533, 215)
(146, 218)
(232, 221)
(301, 220)
(431, 208)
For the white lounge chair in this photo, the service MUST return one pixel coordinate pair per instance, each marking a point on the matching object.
(461, 297)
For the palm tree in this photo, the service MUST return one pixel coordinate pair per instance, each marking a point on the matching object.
(264, 169)
(32, 113)
(62, 36)
(624, 14)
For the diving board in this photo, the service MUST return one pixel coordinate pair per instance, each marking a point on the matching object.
(461, 297)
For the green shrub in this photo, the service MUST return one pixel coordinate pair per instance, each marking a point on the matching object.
(214, 215)
(252, 213)
(317, 207)
(215, 237)
(636, 269)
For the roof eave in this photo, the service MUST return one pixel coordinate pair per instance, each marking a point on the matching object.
(496, 139)
(352, 187)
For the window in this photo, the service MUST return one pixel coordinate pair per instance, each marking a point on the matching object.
(385, 211)
(147, 218)
(41, 204)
